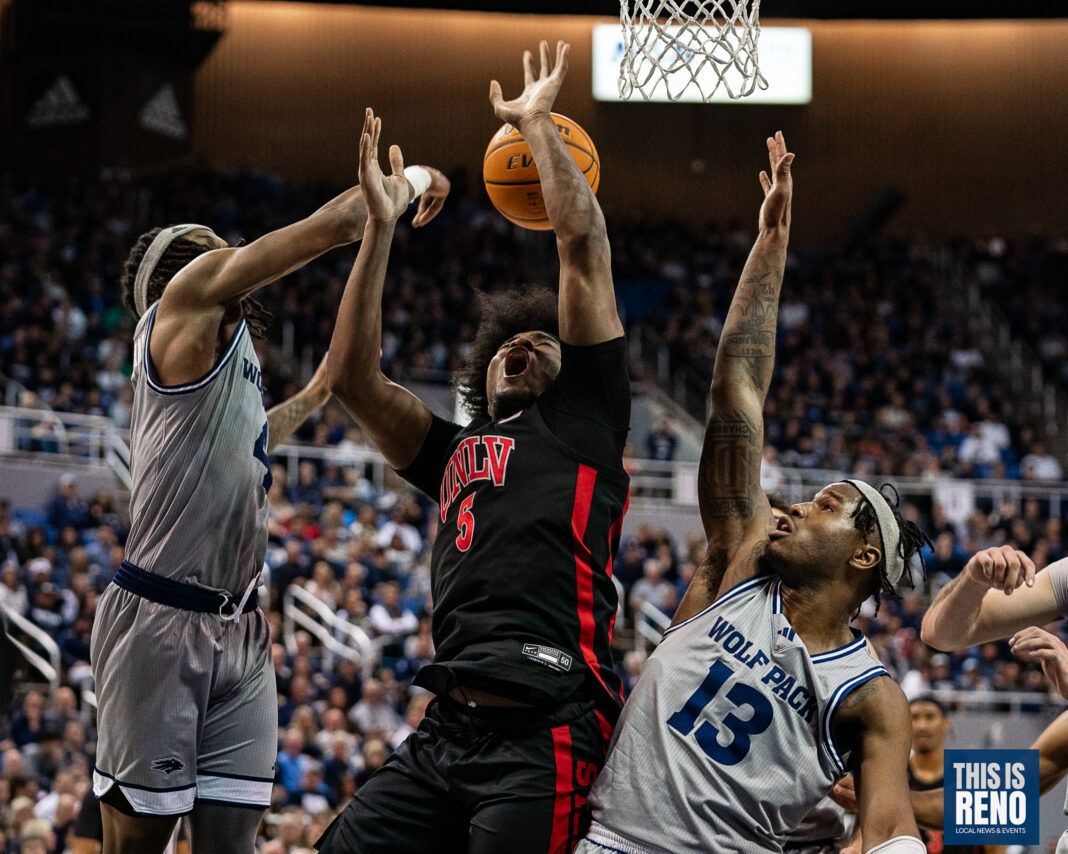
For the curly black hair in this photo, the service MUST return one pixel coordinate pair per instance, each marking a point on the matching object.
(912, 542)
(502, 316)
(180, 252)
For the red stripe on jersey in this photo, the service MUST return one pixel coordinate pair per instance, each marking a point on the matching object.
(580, 515)
(560, 841)
(613, 543)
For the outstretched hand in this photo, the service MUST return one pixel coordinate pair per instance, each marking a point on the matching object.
(1035, 644)
(433, 200)
(539, 91)
(779, 188)
(386, 196)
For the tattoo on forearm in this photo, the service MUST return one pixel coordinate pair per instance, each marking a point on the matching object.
(286, 418)
(729, 464)
(748, 340)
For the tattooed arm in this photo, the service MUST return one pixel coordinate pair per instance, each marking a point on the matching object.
(284, 419)
(734, 510)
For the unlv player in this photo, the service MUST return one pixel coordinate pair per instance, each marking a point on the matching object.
(532, 497)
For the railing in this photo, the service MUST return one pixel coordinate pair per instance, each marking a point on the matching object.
(657, 482)
(48, 664)
(64, 437)
(650, 623)
(337, 636)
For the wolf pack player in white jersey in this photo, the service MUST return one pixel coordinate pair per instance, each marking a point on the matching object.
(761, 695)
(187, 701)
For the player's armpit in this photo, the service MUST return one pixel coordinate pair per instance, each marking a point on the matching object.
(874, 720)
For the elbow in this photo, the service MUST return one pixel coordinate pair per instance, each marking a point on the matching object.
(930, 635)
(582, 233)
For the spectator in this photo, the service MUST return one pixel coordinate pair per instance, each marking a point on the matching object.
(293, 762)
(1040, 464)
(13, 594)
(373, 715)
(654, 589)
(663, 442)
(391, 621)
(66, 508)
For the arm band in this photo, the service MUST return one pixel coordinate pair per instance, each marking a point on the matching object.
(419, 178)
(900, 845)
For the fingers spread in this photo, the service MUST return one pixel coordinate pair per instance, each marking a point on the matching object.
(563, 50)
(765, 182)
(546, 63)
(528, 68)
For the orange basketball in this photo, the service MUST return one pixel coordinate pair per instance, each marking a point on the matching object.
(511, 177)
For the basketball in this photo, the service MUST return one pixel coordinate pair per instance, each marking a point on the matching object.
(511, 177)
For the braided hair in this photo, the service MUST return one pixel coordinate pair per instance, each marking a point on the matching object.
(912, 542)
(179, 253)
(502, 316)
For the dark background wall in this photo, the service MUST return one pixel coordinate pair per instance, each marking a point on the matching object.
(967, 119)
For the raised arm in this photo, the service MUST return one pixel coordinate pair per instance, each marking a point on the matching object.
(733, 507)
(996, 594)
(395, 419)
(587, 298)
(284, 419)
(195, 304)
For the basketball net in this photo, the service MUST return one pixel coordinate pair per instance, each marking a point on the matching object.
(672, 45)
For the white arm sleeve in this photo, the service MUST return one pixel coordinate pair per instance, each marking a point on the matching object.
(899, 845)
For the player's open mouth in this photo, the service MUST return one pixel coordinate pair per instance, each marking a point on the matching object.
(783, 528)
(516, 361)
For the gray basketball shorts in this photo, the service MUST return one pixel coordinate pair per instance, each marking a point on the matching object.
(187, 706)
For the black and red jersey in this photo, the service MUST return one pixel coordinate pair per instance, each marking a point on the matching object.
(933, 839)
(530, 513)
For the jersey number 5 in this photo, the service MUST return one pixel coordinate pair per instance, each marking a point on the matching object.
(465, 521)
(684, 720)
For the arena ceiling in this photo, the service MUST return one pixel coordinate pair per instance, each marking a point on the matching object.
(899, 9)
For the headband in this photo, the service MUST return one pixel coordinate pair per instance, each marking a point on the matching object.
(155, 252)
(889, 530)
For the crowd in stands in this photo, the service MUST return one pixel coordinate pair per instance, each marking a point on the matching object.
(363, 551)
(1027, 279)
(875, 374)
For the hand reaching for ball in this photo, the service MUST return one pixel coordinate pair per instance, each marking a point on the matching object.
(539, 90)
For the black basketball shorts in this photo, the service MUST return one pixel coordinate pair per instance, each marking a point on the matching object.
(482, 781)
